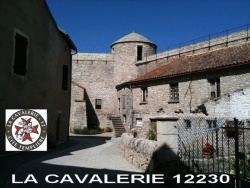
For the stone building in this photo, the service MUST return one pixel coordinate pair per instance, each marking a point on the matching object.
(189, 84)
(36, 59)
(99, 74)
(198, 78)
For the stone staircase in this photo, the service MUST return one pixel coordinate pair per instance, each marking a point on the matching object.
(118, 125)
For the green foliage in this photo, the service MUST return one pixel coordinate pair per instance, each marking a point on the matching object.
(244, 166)
(117, 135)
(94, 131)
(86, 131)
(152, 133)
(108, 129)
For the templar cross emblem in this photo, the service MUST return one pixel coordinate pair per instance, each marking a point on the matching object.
(26, 129)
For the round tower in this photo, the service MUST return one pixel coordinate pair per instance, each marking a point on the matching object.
(127, 51)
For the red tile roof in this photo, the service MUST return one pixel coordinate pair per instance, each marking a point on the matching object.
(217, 59)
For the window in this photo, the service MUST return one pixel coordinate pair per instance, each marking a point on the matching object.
(65, 77)
(123, 101)
(144, 94)
(214, 87)
(138, 122)
(98, 104)
(188, 123)
(212, 123)
(174, 93)
(139, 53)
(20, 56)
(124, 118)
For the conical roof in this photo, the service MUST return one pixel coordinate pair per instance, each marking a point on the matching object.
(133, 37)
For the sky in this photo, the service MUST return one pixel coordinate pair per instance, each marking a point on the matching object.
(94, 25)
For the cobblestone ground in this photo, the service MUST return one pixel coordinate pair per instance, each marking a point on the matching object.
(80, 156)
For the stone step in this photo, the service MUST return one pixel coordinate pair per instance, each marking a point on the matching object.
(118, 125)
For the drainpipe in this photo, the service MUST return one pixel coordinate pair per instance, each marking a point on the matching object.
(131, 108)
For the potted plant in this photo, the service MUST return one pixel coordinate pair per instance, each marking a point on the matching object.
(208, 151)
(230, 129)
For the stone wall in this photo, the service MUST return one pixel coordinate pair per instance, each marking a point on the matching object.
(154, 156)
(78, 118)
(216, 42)
(193, 92)
(96, 73)
(137, 151)
(125, 56)
(235, 104)
(48, 52)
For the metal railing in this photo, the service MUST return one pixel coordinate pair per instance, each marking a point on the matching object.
(215, 145)
(227, 34)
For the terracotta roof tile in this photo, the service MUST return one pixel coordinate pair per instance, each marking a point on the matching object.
(201, 62)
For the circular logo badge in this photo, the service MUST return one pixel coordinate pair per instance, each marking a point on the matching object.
(26, 130)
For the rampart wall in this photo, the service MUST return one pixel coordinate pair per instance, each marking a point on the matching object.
(151, 62)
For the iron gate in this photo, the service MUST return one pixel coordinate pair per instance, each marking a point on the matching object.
(214, 145)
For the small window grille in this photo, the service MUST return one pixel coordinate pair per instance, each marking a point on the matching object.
(174, 92)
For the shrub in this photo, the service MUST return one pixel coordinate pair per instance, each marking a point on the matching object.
(79, 131)
(86, 131)
(152, 133)
(94, 131)
(108, 129)
(117, 135)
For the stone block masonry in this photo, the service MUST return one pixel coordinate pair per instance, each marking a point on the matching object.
(154, 156)
(209, 43)
(95, 73)
(137, 151)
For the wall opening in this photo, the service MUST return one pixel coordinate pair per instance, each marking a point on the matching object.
(139, 53)
(214, 88)
(20, 56)
(98, 104)
(65, 77)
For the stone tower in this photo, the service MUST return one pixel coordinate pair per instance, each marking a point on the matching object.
(126, 52)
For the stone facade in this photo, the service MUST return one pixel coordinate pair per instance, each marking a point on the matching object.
(193, 92)
(100, 73)
(44, 82)
(210, 43)
(78, 108)
(95, 73)
(125, 66)
(235, 104)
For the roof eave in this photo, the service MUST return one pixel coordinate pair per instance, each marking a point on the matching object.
(133, 42)
(68, 39)
(137, 82)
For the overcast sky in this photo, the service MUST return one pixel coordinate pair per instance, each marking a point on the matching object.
(94, 25)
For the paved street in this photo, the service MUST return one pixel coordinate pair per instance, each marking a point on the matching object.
(80, 156)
